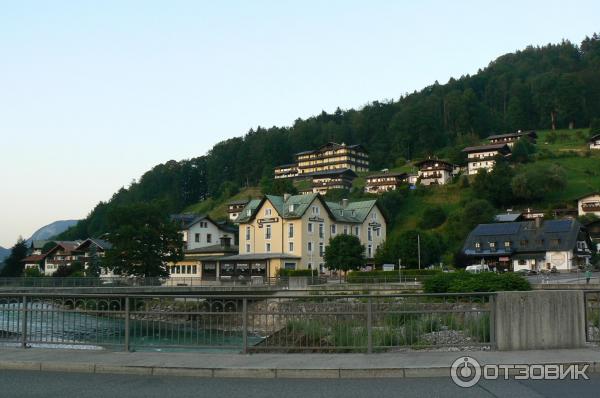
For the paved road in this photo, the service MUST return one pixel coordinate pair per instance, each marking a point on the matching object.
(67, 385)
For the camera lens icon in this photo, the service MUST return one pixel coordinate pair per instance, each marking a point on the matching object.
(465, 372)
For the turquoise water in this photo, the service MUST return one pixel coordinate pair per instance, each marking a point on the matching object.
(47, 325)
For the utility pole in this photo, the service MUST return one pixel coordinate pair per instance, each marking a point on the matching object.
(399, 270)
(419, 248)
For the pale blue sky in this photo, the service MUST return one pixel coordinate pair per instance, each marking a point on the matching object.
(94, 93)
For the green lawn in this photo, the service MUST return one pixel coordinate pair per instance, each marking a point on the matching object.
(217, 209)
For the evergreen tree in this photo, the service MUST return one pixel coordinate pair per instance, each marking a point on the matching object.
(13, 264)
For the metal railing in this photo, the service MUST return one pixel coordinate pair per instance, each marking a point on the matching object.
(324, 323)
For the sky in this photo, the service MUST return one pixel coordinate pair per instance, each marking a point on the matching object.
(95, 93)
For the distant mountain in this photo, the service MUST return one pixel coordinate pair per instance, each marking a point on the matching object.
(51, 230)
(3, 253)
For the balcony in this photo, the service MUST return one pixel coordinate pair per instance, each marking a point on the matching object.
(591, 207)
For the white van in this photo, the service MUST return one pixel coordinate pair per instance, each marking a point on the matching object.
(477, 268)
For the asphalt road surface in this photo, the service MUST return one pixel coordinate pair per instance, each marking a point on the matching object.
(67, 385)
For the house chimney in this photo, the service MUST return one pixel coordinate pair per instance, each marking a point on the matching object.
(286, 197)
(225, 241)
(344, 203)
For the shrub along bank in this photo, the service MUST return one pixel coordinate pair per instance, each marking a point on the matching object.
(464, 282)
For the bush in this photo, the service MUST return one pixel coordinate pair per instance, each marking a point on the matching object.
(464, 282)
(33, 272)
(432, 217)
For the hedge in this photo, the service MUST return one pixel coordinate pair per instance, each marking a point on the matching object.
(465, 282)
(388, 276)
(296, 272)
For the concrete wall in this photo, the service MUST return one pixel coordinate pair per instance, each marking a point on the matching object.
(539, 320)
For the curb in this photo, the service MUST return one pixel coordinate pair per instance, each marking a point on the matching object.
(242, 373)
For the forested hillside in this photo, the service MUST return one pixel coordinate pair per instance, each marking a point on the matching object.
(554, 86)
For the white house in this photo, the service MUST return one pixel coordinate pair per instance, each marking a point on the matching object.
(589, 204)
(595, 142)
(483, 157)
(202, 231)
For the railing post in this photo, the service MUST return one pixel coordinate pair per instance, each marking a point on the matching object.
(245, 325)
(24, 323)
(370, 326)
(492, 324)
(127, 309)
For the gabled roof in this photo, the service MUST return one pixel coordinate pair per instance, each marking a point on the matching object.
(383, 174)
(354, 212)
(491, 147)
(422, 162)
(565, 232)
(66, 245)
(530, 133)
(187, 221)
(34, 259)
(238, 202)
(100, 243)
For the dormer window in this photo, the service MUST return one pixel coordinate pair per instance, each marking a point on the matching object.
(492, 246)
(478, 245)
(248, 212)
(507, 244)
(291, 208)
(267, 212)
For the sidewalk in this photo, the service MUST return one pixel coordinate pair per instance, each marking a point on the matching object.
(402, 364)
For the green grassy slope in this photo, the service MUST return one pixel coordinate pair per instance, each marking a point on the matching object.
(217, 208)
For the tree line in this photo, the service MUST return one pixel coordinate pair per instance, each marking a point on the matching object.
(553, 86)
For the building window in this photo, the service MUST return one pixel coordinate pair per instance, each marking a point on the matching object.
(321, 249)
(310, 247)
(309, 265)
(555, 242)
(310, 228)
(267, 212)
(477, 245)
(268, 232)
(321, 231)
(378, 232)
(248, 213)
(290, 230)
(507, 244)
(374, 216)
(268, 247)
(345, 230)
(369, 234)
(291, 208)
(333, 229)
(524, 243)
(247, 247)
(247, 233)
(369, 251)
(197, 238)
(315, 210)
(291, 247)
(356, 230)
(208, 238)
(492, 245)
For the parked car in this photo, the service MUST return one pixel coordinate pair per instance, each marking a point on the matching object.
(477, 268)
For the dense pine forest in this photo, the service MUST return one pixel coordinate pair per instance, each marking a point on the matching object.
(556, 86)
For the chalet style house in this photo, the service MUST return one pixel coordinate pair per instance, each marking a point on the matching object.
(202, 231)
(531, 245)
(330, 156)
(435, 172)
(384, 182)
(323, 181)
(589, 204)
(64, 253)
(595, 142)
(511, 138)
(235, 207)
(483, 157)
